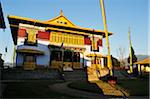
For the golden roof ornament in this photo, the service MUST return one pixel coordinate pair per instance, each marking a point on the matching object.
(61, 12)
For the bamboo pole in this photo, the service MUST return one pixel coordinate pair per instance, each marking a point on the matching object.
(130, 45)
(109, 62)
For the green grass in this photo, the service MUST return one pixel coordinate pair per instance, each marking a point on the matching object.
(85, 86)
(135, 87)
(32, 89)
(143, 76)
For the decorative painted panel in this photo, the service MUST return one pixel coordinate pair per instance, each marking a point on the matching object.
(87, 41)
(65, 38)
(43, 35)
(21, 32)
(31, 35)
(99, 42)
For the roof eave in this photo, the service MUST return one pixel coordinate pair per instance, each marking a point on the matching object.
(15, 20)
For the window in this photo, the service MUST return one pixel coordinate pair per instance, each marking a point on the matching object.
(57, 37)
(65, 39)
(65, 22)
(76, 57)
(61, 38)
(56, 55)
(67, 56)
(71, 39)
(57, 21)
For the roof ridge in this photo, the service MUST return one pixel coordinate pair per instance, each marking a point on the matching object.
(60, 15)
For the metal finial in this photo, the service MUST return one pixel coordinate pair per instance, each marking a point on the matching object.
(61, 12)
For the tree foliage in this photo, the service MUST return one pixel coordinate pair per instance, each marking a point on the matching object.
(134, 58)
(115, 62)
(121, 56)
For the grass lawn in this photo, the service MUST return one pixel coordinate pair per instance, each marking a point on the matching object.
(32, 89)
(135, 87)
(85, 86)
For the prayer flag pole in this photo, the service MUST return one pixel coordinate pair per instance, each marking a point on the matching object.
(109, 62)
(130, 45)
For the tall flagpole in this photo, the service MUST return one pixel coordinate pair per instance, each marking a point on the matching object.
(109, 62)
(130, 45)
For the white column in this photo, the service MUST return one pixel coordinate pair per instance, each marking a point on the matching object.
(81, 59)
(102, 62)
(139, 69)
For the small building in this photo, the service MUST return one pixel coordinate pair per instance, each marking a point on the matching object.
(54, 43)
(143, 65)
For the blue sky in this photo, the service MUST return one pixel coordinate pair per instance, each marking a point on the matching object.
(86, 13)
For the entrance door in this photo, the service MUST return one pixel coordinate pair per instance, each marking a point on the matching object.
(67, 61)
(76, 60)
(29, 62)
(56, 59)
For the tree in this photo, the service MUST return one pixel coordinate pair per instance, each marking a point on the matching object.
(134, 58)
(1, 61)
(115, 62)
(121, 55)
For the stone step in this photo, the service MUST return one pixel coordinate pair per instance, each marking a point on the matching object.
(104, 72)
(108, 89)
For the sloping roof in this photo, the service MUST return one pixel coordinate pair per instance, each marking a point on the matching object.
(144, 61)
(61, 20)
(51, 25)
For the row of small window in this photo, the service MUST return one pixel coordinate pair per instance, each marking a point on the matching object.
(68, 56)
(61, 22)
(67, 38)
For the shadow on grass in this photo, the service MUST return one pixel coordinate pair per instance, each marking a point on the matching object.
(135, 87)
(85, 86)
(31, 89)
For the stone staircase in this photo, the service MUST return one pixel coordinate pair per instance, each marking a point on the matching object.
(104, 71)
(111, 90)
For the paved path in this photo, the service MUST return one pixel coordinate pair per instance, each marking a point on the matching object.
(63, 88)
(111, 90)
